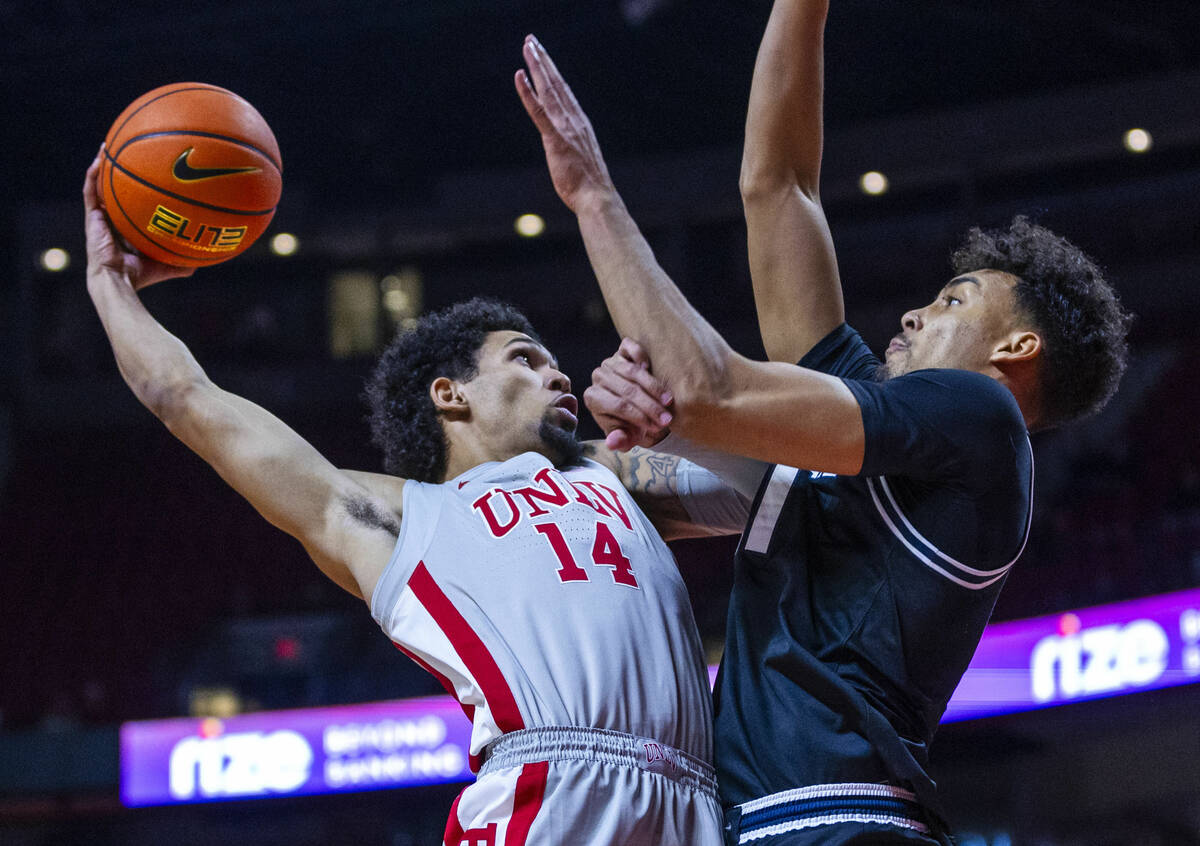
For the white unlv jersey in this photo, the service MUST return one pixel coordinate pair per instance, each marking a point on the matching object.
(546, 598)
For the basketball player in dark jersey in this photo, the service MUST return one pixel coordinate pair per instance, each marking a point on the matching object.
(896, 494)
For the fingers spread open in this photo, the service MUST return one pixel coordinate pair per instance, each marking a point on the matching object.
(555, 95)
(529, 99)
(556, 78)
(537, 72)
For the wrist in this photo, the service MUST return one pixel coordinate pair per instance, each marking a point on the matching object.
(598, 201)
(104, 278)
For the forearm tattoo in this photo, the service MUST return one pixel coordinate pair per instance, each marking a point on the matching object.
(652, 472)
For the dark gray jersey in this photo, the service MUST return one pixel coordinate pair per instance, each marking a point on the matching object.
(872, 588)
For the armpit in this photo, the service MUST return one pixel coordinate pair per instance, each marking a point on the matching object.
(364, 511)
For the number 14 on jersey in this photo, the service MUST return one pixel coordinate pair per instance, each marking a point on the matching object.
(606, 552)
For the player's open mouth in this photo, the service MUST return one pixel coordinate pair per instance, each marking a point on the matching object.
(569, 406)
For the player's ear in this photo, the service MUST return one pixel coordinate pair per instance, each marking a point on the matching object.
(448, 396)
(1018, 346)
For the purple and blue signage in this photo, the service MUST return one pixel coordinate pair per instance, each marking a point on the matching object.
(1142, 644)
(1109, 650)
(295, 753)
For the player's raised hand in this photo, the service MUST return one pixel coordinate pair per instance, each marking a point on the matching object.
(576, 166)
(106, 251)
(631, 405)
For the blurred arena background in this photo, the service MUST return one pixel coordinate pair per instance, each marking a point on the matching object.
(134, 585)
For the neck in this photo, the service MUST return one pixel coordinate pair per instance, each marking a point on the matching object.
(460, 458)
(467, 448)
(1023, 389)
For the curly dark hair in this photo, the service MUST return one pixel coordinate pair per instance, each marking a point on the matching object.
(1077, 313)
(404, 421)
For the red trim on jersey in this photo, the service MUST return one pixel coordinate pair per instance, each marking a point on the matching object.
(470, 649)
(527, 801)
(474, 761)
(469, 710)
(454, 830)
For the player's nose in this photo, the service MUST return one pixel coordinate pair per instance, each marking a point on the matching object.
(911, 320)
(558, 381)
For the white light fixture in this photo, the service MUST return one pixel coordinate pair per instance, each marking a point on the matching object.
(873, 182)
(284, 244)
(1138, 141)
(55, 259)
(530, 225)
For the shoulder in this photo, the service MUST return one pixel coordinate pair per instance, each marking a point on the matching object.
(966, 395)
(939, 424)
(842, 352)
(939, 395)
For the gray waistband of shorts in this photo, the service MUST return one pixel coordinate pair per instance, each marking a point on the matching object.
(564, 743)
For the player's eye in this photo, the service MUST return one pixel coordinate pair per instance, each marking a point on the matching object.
(950, 300)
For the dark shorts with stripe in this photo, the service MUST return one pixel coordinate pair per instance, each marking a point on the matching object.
(831, 815)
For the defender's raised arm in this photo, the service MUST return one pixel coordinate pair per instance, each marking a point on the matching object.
(797, 290)
(766, 410)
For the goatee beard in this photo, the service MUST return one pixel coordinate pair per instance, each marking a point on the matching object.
(561, 446)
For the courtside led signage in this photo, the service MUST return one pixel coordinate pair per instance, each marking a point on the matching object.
(1109, 650)
(295, 753)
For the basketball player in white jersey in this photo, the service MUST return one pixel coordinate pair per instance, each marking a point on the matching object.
(520, 573)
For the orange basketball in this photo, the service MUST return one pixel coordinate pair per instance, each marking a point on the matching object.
(191, 174)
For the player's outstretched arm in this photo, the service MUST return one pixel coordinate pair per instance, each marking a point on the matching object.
(681, 499)
(348, 530)
(644, 303)
(797, 290)
(758, 413)
(770, 411)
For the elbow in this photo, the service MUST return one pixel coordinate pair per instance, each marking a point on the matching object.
(766, 190)
(757, 183)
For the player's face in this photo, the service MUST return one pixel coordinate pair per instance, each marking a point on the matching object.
(960, 329)
(521, 401)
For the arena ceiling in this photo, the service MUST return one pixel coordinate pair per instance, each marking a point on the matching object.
(373, 100)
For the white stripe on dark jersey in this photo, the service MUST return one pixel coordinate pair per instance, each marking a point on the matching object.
(990, 576)
(767, 515)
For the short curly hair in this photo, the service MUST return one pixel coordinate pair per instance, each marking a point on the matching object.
(405, 423)
(1075, 310)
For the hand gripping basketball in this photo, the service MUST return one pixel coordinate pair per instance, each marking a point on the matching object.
(106, 251)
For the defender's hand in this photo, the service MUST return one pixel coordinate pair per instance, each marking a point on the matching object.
(105, 249)
(631, 405)
(577, 168)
